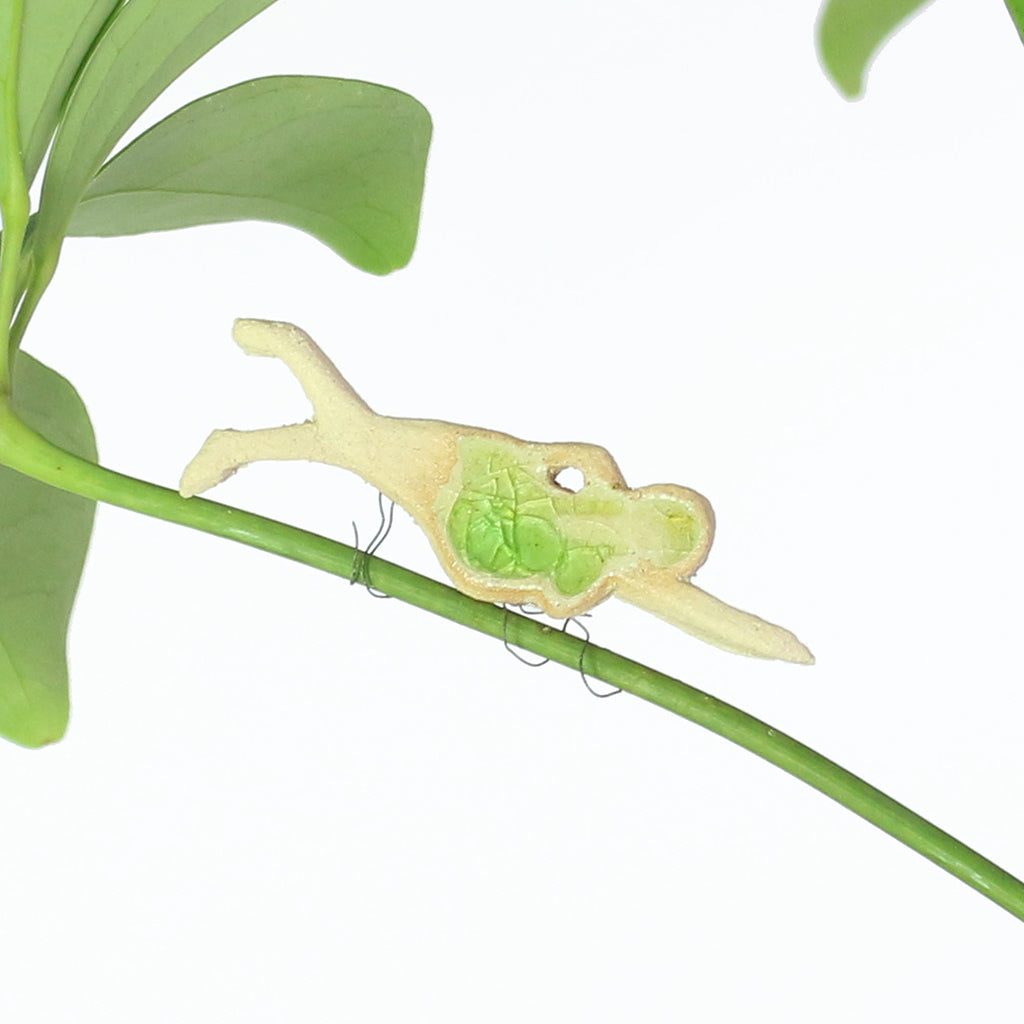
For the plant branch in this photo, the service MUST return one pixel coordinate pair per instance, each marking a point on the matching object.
(24, 450)
(14, 203)
(42, 265)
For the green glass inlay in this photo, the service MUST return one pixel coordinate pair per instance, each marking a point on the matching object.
(514, 522)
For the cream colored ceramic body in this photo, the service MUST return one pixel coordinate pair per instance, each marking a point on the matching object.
(500, 524)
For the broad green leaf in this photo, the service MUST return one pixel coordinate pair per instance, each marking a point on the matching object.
(55, 37)
(44, 534)
(146, 46)
(341, 160)
(1016, 9)
(851, 32)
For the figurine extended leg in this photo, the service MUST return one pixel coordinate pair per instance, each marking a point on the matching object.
(226, 451)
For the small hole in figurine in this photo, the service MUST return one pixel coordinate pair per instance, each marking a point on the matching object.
(570, 479)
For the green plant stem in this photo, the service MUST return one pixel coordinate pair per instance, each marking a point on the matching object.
(14, 202)
(43, 264)
(24, 450)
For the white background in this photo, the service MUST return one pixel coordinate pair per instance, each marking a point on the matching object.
(657, 227)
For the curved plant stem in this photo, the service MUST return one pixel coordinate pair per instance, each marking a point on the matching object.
(14, 202)
(26, 451)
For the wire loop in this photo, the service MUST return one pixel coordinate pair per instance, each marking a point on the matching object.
(361, 562)
(525, 610)
(583, 653)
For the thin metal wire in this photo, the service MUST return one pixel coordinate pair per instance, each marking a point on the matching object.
(361, 563)
(504, 636)
(525, 610)
(583, 654)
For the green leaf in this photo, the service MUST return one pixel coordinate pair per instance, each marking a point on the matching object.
(44, 534)
(851, 32)
(341, 160)
(147, 44)
(1016, 9)
(55, 37)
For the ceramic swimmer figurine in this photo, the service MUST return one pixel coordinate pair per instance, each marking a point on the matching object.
(501, 525)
